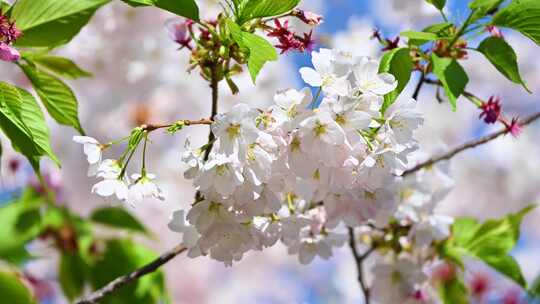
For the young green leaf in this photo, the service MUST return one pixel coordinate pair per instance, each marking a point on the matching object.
(490, 242)
(452, 76)
(72, 274)
(60, 66)
(117, 218)
(49, 23)
(503, 57)
(13, 290)
(23, 123)
(397, 62)
(184, 8)
(265, 8)
(534, 290)
(439, 4)
(260, 50)
(57, 97)
(33, 118)
(522, 16)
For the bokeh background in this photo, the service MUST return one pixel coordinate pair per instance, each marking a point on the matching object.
(140, 76)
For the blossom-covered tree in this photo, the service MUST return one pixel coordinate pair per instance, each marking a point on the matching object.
(328, 165)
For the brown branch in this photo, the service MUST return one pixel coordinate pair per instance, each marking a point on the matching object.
(469, 145)
(99, 294)
(359, 260)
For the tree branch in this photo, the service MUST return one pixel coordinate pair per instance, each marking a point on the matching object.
(469, 145)
(359, 260)
(99, 294)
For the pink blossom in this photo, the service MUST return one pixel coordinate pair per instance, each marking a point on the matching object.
(179, 32)
(514, 127)
(308, 17)
(494, 31)
(8, 53)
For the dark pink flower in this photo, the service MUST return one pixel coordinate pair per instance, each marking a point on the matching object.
(491, 110)
(308, 17)
(514, 127)
(419, 296)
(308, 43)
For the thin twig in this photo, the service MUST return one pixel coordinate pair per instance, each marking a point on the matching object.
(469, 145)
(186, 122)
(359, 260)
(99, 294)
(419, 86)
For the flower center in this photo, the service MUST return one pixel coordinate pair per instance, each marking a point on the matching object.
(233, 130)
(319, 129)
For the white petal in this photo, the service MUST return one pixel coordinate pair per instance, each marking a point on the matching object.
(311, 77)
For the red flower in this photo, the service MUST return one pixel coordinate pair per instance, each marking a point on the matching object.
(288, 40)
(491, 110)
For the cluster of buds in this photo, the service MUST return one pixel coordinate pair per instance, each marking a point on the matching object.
(492, 112)
(457, 51)
(8, 34)
(211, 50)
(389, 44)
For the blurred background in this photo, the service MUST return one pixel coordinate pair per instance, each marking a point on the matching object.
(140, 76)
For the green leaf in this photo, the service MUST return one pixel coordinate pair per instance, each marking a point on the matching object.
(185, 8)
(452, 76)
(534, 290)
(49, 23)
(522, 16)
(12, 290)
(265, 8)
(117, 218)
(423, 36)
(490, 242)
(454, 292)
(503, 57)
(4, 6)
(17, 231)
(60, 66)
(121, 257)
(35, 121)
(439, 4)
(483, 7)
(72, 274)
(397, 62)
(260, 50)
(23, 123)
(57, 97)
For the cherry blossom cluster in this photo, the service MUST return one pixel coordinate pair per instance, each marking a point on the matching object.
(8, 34)
(302, 173)
(114, 180)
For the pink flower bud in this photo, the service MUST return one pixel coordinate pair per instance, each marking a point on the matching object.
(494, 31)
(179, 32)
(308, 17)
(8, 53)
